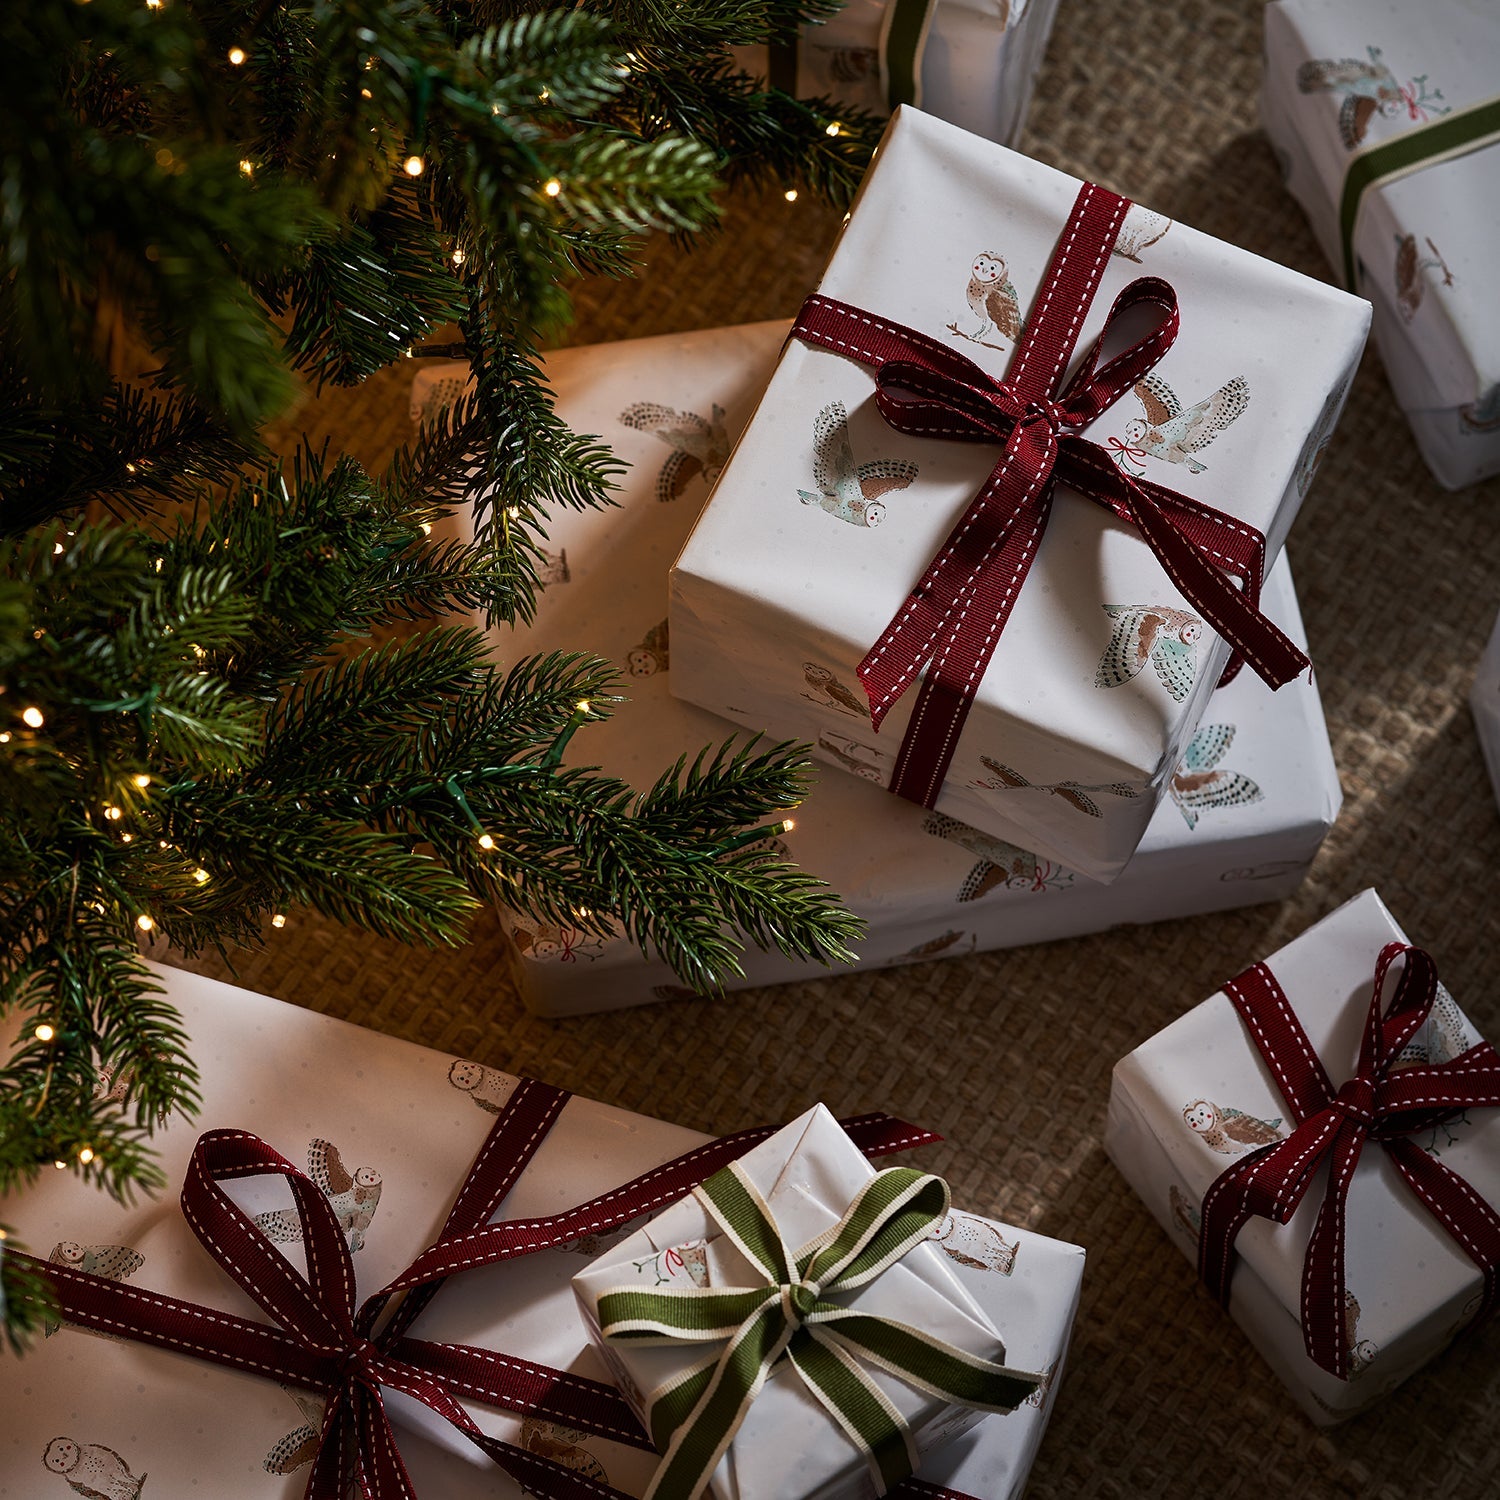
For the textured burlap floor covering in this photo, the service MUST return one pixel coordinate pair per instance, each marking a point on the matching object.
(1009, 1054)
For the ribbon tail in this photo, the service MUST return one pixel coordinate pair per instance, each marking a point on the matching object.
(1323, 1287)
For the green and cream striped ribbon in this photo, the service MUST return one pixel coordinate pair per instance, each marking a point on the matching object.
(694, 1416)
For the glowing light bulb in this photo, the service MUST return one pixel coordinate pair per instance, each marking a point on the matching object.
(44, 1032)
(154, 4)
(832, 129)
(486, 841)
(125, 838)
(278, 920)
(33, 717)
(787, 824)
(512, 511)
(458, 257)
(86, 1154)
(247, 166)
(57, 549)
(200, 876)
(552, 187)
(790, 195)
(415, 166)
(144, 922)
(582, 705)
(366, 94)
(113, 813)
(236, 55)
(62, 1166)
(584, 913)
(426, 528)
(142, 780)
(5, 738)
(158, 565)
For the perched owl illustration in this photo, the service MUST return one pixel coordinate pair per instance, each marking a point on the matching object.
(92, 1469)
(1443, 1036)
(848, 490)
(1174, 433)
(1410, 264)
(1184, 1215)
(698, 446)
(489, 1088)
(859, 759)
(1229, 1130)
(1166, 637)
(1197, 784)
(300, 1445)
(1005, 778)
(972, 1242)
(1369, 89)
(993, 301)
(651, 656)
(829, 692)
(546, 943)
(1482, 415)
(1361, 1351)
(945, 942)
(1140, 228)
(113, 1262)
(563, 1446)
(353, 1199)
(1001, 863)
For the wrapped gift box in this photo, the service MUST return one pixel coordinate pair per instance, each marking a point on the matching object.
(1185, 1104)
(407, 1121)
(809, 1173)
(965, 61)
(1247, 809)
(1484, 699)
(785, 584)
(1343, 78)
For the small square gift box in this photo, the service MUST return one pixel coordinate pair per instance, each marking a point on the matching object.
(934, 488)
(1321, 1138)
(968, 62)
(794, 1328)
(1246, 811)
(1484, 700)
(1386, 120)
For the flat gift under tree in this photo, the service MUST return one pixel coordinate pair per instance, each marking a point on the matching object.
(200, 202)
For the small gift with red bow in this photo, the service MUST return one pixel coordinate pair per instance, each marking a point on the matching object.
(1004, 510)
(1322, 1139)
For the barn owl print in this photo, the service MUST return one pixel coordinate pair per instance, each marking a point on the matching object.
(552, 568)
(1166, 637)
(1002, 865)
(699, 445)
(1139, 229)
(1411, 266)
(550, 944)
(354, 1197)
(850, 491)
(1320, 436)
(112, 1262)
(828, 692)
(1172, 432)
(1361, 1351)
(1443, 1036)
(854, 756)
(92, 1469)
(300, 1445)
(651, 656)
(563, 1445)
(1003, 778)
(993, 303)
(1185, 1215)
(974, 1243)
(1229, 1131)
(1200, 782)
(1368, 89)
(488, 1088)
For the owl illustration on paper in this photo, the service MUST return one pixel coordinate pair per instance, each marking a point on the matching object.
(699, 445)
(993, 302)
(1003, 778)
(1369, 88)
(829, 692)
(1199, 782)
(300, 1445)
(1140, 228)
(563, 1445)
(687, 1262)
(488, 1088)
(1173, 432)
(1361, 1351)
(651, 656)
(92, 1469)
(1184, 1215)
(1229, 1131)
(1320, 435)
(1482, 415)
(547, 943)
(353, 1198)
(552, 567)
(1166, 637)
(948, 944)
(1443, 1036)
(1001, 863)
(591, 1245)
(1410, 265)
(845, 489)
(112, 1262)
(853, 64)
(854, 756)
(973, 1243)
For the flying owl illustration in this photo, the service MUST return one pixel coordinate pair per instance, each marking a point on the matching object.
(1482, 415)
(1320, 435)
(972, 1242)
(829, 692)
(1369, 88)
(1410, 264)
(1229, 1130)
(846, 490)
(944, 942)
(1166, 637)
(992, 299)
(92, 1469)
(113, 1262)
(1443, 1036)
(1361, 1351)
(300, 1445)
(698, 446)
(489, 1088)
(858, 759)
(1001, 863)
(1140, 227)
(651, 656)
(1005, 778)
(1196, 784)
(1174, 433)
(562, 1445)
(1184, 1215)
(353, 1199)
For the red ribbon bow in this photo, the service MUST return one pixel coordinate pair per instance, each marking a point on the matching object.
(953, 617)
(1386, 1101)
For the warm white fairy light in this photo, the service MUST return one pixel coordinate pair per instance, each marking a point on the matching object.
(278, 920)
(512, 511)
(832, 128)
(790, 195)
(62, 1166)
(144, 922)
(125, 838)
(486, 841)
(113, 813)
(552, 187)
(44, 1032)
(85, 1154)
(582, 705)
(415, 166)
(236, 55)
(57, 549)
(787, 824)
(200, 875)
(141, 780)
(247, 166)
(426, 528)
(458, 257)
(5, 737)
(33, 718)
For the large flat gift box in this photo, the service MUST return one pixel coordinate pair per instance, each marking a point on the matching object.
(1408, 96)
(1199, 1097)
(825, 517)
(1248, 804)
(387, 1130)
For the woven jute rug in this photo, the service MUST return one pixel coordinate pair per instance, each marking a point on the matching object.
(1009, 1054)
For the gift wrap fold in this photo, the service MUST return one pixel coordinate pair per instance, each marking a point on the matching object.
(1199, 1098)
(387, 1132)
(1103, 671)
(1248, 804)
(1484, 700)
(1386, 119)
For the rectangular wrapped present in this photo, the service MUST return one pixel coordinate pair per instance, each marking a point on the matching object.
(833, 537)
(1208, 1124)
(1246, 811)
(1385, 118)
(1484, 700)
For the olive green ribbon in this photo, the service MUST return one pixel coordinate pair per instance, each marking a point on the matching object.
(694, 1416)
(1454, 134)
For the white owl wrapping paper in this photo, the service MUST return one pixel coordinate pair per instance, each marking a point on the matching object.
(1484, 701)
(1342, 78)
(402, 1123)
(789, 1445)
(1249, 800)
(1197, 1095)
(825, 517)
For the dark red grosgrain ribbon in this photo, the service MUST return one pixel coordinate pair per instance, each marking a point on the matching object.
(1386, 1102)
(953, 617)
(326, 1344)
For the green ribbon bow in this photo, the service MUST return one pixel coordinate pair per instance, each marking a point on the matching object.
(694, 1416)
